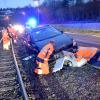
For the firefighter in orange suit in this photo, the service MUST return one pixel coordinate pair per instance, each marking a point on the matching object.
(12, 32)
(43, 57)
(6, 40)
(90, 54)
(86, 52)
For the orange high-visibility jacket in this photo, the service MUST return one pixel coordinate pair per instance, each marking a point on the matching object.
(86, 52)
(5, 38)
(43, 68)
(46, 52)
(13, 32)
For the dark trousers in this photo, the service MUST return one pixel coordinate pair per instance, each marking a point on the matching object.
(39, 60)
(95, 57)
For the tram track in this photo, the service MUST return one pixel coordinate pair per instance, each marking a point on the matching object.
(11, 83)
(9, 87)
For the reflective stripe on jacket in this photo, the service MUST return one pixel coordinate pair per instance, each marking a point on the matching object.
(43, 68)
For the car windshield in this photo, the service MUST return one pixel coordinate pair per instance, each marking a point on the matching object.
(46, 32)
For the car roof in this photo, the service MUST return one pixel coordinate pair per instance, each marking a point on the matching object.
(44, 32)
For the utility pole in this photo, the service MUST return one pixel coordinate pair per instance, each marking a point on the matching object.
(38, 4)
(79, 1)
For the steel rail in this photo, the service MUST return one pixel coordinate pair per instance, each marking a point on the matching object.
(25, 96)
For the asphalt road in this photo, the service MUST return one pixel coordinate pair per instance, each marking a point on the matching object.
(86, 40)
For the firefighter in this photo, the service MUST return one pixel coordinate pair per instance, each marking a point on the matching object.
(90, 54)
(12, 32)
(6, 40)
(43, 58)
(86, 52)
(95, 60)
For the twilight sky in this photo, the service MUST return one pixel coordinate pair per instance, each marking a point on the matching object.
(17, 3)
(21, 3)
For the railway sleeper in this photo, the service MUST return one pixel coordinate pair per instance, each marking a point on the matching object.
(6, 68)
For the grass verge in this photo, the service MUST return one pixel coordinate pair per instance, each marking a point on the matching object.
(80, 31)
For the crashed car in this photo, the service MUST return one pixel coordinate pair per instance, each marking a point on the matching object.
(66, 50)
(40, 36)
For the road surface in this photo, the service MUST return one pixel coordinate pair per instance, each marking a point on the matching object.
(86, 40)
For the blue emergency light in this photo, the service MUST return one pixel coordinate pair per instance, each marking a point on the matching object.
(32, 22)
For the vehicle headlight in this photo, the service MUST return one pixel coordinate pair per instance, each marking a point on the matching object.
(19, 28)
